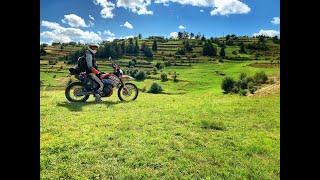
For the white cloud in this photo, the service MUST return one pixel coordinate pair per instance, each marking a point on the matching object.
(219, 7)
(201, 10)
(136, 6)
(91, 23)
(91, 17)
(74, 21)
(127, 25)
(109, 33)
(107, 8)
(182, 27)
(226, 7)
(174, 35)
(269, 33)
(275, 21)
(62, 34)
(99, 32)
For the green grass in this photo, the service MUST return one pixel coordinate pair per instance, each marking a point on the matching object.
(190, 131)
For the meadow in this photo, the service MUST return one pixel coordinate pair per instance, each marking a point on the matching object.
(192, 130)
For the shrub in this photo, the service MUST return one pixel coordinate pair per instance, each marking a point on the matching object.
(234, 52)
(140, 76)
(249, 79)
(260, 77)
(53, 62)
(242, 84)
(148, 72)
(175, 77)
(164, 77)
(243, 92)
(154, 71)
(155, 88)
(251, 87)
(235, 90)
(227, 84)
(144, 89)
(54, 76)
(159, 65)
(167, 63)
(242, 76)
(212, 125)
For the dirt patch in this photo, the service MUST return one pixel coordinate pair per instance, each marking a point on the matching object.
(264, 65)
(267, 90)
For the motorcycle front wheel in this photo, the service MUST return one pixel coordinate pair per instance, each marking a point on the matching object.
(74, 92)
(129, 92)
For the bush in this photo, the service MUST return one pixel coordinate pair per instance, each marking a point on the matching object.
(154, 71)
(53, 62)
(260, 77)
(242, 84)
(235, 90)
(167, 63)
(212, 125)
(227, 84)
(144, 89)
(140, 76)
(243, 92)
(234, 52)
(159, 65)
(242, 76)
(251, 87)
(148, 72)
(164, 77)
(155, 88)
(175, 77)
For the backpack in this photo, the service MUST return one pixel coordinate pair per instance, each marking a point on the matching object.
(82, 64)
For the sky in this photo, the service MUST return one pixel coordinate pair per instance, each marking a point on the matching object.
(93, 21)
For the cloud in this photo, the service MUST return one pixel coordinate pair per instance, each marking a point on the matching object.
(182, 27)
(99, 32)
(219, 7)
(91, 17)
(269, 33)
(91, 23)
(226, 7)
(74, 21)
(201, 10)
(275, 21)
(174, 35)
(109, 33)
(136, 6)
(127, 25)
(58, 33)
(107, 8)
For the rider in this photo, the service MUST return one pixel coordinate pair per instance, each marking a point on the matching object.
(92, 69)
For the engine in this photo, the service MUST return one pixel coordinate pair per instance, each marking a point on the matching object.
(107, 90)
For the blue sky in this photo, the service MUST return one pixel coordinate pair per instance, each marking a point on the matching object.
(68, 20)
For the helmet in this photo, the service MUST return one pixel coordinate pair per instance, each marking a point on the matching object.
(93, 48)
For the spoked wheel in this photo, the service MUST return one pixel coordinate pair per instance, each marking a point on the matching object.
(74, 93)
(129, 92)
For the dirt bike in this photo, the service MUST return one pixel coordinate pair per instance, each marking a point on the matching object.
(80, 91)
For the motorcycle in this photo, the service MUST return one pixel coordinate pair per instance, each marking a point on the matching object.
(80, 90)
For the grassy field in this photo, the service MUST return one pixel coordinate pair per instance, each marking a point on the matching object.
(190, 131)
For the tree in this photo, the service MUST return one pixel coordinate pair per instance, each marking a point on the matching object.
(143, 46)
(119, 50)
(242, 49)
(275, 39)
(140, 36)
(42, 52)
(180, 35)
(130, 47)
(187, 46)
(209, 49)
(222, 52)
(203, 38)
(191, 35)
(147, 52)
(61, 47)
(136, 48)
(154, 45)
(123, 47)
(181, 51)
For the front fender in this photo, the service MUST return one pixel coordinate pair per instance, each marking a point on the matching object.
(126, 78)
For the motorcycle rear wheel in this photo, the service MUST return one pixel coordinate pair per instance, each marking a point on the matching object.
(71, 87)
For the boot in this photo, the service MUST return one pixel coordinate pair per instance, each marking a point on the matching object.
(98, 98)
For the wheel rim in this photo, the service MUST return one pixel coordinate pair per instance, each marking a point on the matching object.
(75, 93)
(129, 92)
